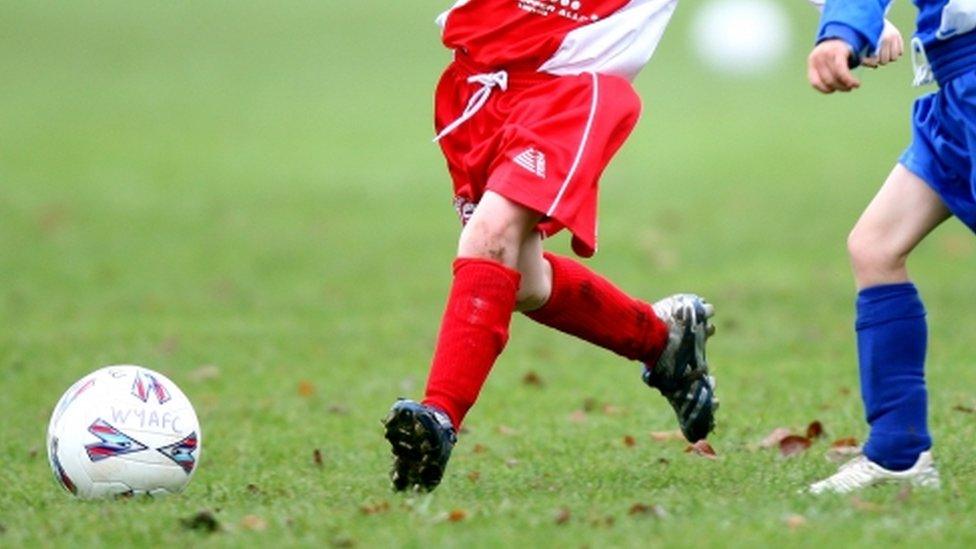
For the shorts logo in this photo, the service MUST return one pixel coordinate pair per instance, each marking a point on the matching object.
(532, 160)
(570, 9)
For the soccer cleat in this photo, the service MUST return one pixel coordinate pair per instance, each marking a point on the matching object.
(681, 373)
(422, 438)
(861, 472)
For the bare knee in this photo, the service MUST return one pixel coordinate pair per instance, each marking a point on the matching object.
(492, 239)
(497, 229)
(875, 258)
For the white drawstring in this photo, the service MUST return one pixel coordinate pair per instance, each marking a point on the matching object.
(488, 81)
(920, 63)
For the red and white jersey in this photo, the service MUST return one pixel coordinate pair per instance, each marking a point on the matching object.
(561, 37)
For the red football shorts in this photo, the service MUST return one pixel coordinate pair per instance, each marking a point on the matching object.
(543, 143)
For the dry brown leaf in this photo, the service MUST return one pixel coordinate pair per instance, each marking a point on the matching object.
(479, 449)
(578, 416)
(630, 441)
(457, 515)
(815, 430)
(317, 457)
(774, 437)
(845, 442)
(204, 521)
(611, 410)
(305, 388)
(702, 448)
(665, 436)
(794, 522)
(205, 373)
(506, 431)
(254, 523)
(532, 379)
(644, 509)
(792, 445)
(375, 508)
(474, 476)
(563, 515)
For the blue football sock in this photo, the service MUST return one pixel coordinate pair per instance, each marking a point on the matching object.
(891, 340)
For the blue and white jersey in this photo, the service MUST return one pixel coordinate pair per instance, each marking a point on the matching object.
(944, 30)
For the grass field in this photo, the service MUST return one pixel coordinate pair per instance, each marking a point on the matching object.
(244, 196)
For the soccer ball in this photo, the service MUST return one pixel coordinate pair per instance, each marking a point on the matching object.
(123, 430)
(741, 37)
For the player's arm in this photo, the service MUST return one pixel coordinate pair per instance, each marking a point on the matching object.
(850, 30)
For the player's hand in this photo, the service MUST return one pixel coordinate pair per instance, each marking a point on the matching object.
(827, 67)
(890, 47)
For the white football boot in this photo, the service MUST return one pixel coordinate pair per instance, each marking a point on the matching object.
(861, 472)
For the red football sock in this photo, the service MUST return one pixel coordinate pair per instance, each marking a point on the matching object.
(473, 333)
(590, 307)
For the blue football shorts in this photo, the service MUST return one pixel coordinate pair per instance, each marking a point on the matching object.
(943, 145)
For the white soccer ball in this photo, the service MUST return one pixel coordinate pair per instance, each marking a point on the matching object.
(123, 430)
(741, 37)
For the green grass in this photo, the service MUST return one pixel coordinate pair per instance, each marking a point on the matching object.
(251, 186)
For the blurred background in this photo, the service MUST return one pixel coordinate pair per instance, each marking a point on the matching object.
(244, 196)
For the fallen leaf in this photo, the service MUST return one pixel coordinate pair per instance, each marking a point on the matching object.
(842, 450)
(254, 523)
(338, 409)
(611, 410)
(507, 431)
(774, 437)
(630, 441)
(305, 388)
(205, 373)
(844, 391)
(479, 449)
(665, 436)
(644, 509)
(375, 508)
(793, 445)
(317, 457)
(862, 505)
(815, 430)
(32, 453)
(702, 448)
(964, 409)
(204, 521)
(563, 515)
(474, 476)
(169, 345)
(532, 379)
(578, 416)
(794, 522)
(844, 442)
(457, 515)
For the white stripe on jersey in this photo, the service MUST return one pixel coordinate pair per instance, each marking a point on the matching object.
(621, 44)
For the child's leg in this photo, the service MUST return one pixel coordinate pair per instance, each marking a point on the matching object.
(575, 300)
(891, 328)
(479, 309)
